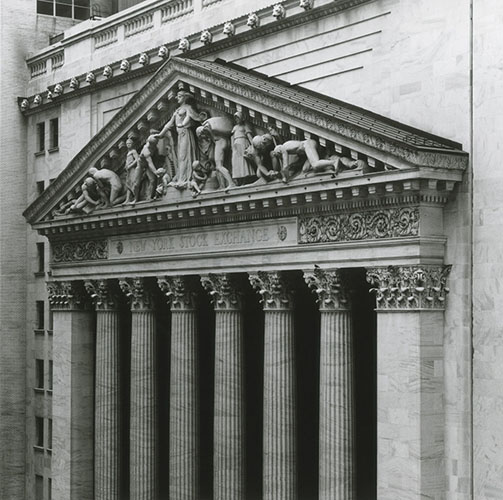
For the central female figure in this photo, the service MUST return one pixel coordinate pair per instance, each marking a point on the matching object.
(185, 118)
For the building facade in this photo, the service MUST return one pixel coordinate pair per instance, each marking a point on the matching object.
(259, 256)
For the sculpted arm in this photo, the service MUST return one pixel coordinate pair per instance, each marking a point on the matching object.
(167, 127)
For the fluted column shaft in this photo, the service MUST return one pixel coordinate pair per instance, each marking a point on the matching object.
(336, 434)
(229, 418)
(336, 407)
(280, 425)
(143, 432)
(107, 428)
(107, 407)
(184, 390)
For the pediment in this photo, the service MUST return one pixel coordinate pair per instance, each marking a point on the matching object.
(365, 149)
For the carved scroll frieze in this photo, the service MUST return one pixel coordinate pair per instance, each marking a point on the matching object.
(181, 291)
(140, 293)
(330, 287)
(409, 287)
(77, 251)
(275, 289)
(67, 295)
(372, 224)
(103, 293)
(224, 291)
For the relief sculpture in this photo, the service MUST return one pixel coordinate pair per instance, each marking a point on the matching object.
(189, 148)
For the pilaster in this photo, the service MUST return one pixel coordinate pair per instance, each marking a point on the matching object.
(73, 392)
(410, 304)
(280, 423)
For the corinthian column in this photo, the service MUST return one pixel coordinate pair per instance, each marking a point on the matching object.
(229, 423)
(143, 432)
(184, 388)
(72, 403)
(280, 444)
(410, 303)
(337, 458)
(107, 409)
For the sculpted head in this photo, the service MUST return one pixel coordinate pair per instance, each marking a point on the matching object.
(108, 71)
(125, 65)
(253, 20)
(206, 37)
(278, 11)
(163, 52)
(144, 59)
(306, 4)
(129, 143)
(184, 45)
(152, 140)
(262, 142)
(238, 117)
(92, 171)
(74, 83)
(37, 100)
(182, 96)
(90, 77)
(228, 29)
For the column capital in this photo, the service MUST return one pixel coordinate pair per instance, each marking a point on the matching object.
(180, 291)
(139, 292)
(330, 288)
(224, 291)
(409, 287)
(67, 295)
(275, 289)
(103, 293)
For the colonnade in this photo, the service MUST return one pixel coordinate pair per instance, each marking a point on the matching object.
(280, 452)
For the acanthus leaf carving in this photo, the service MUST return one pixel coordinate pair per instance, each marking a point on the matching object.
(67, 295)
(397, 222)
(181, 291)
(275, 289)
(139, 292)
(224, 291)
(103, 293)
(77, 251)
(409, 287)
(330, 288)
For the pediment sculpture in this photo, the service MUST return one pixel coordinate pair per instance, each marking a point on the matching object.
(199, 150)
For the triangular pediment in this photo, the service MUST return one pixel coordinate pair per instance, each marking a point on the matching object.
(357, 141)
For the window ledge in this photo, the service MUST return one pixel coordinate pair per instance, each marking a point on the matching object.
(49, 392)
(54, 150)
(40, 153)
(38, 448)
(39, 274)
(39, 390)
(49, 332)
(39, 331)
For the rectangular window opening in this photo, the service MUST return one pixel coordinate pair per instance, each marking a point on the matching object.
(50, 375)
(54, 133)
(39, 487)
(40, 187)
(40, 257)
(39, 432)
(40, 305)
(39, 373)
(40, 137)
(49, 434)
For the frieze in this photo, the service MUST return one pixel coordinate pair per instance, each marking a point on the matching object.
(79, 251)
(368, 225)
(409, 287)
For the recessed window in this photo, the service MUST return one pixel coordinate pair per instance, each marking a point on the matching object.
(49, 434)
(40, 187)
(40, 137)
(39, 487)
(39, 373)
(40, 257)
(39, 432)
(49, 376)
(40, 320)
(54, 133)
(75, 9)
(49, 489)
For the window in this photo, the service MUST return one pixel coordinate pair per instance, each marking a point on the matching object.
(39, 432)
(54, 133)
(39, 487)
(40, 137)
(40, 257)
(49, 381)
(39, 373)
(49, 489)
(49, 434)
(75, 9)
(40, 187)
(40, 314)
